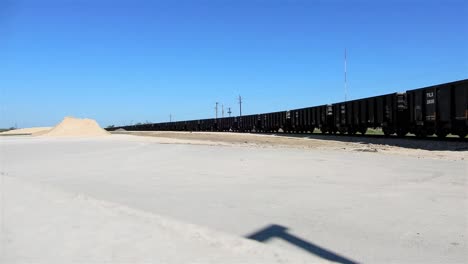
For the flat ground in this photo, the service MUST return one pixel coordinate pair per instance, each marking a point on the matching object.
(318, 200)
(428, 148)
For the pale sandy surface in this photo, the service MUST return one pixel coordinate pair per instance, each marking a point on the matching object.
(407, 147)
(76, 127)
(68, 127)
(360, 206)
(43, 225)
(26, 131)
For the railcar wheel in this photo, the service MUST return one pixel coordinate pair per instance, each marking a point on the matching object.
(441, 134)
(387, 132)
(462, 134)
(422, 133)
(363, 130)
(402, 132)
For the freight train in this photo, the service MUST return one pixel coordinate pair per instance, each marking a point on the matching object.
(440, 109)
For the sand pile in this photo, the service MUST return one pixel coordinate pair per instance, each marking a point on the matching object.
(71, 126)
(26, 131)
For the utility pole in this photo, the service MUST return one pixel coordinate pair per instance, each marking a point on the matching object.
(170, 117)
(216, 108)
(345, 79)
(229, 111)
(240, 105)
(222, 110)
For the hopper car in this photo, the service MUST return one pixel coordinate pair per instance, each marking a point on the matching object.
(439, 109)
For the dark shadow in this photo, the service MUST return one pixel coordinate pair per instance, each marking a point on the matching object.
(429, 143)
(277, 231)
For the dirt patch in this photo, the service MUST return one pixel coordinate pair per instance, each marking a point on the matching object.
(408, 147)
(237, 138)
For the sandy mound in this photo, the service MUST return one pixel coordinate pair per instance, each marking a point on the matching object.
(27, 131)
(71, 127)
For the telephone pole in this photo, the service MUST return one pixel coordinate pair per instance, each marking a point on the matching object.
(240, 105)
(216, 109)
(229, 111)
(222, 110)
(170, 117)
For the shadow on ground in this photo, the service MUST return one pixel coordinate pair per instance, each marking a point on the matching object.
(280, 232)
(431, 143)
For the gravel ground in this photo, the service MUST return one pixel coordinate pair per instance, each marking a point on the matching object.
(333, 204)
(451, 150)
(41, 224)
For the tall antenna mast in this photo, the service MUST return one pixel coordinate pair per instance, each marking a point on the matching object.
(345, 78)
(240, 105)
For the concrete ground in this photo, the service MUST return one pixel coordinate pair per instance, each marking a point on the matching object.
(344, 206)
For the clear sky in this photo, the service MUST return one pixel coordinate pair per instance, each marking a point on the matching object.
(136, 61)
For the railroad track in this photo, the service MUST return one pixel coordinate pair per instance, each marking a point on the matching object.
(356, 136)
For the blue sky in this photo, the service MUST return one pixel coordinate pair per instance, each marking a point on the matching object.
(135, 61)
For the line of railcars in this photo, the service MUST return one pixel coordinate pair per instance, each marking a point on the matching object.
(439, 109)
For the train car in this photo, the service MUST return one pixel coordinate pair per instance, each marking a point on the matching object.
(316, 117)
(246, 123)
(203, 125)
(324, 118)
(281, 120)
(339, 118)
(439, 109)
(391, 113)
(276, 121)
(287, 124)
(367, 108)
(192, 125)
(312, 118)
(301, 120)
(458, 123)
(307, 120)
(235, 124)
(294, 119)
(224, 124)
(349, 117)
(269, 122)
(346, 117)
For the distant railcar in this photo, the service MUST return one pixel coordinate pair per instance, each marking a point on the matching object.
(439, 109)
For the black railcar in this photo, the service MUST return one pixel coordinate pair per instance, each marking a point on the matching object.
(324, 118)
(439, 109)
